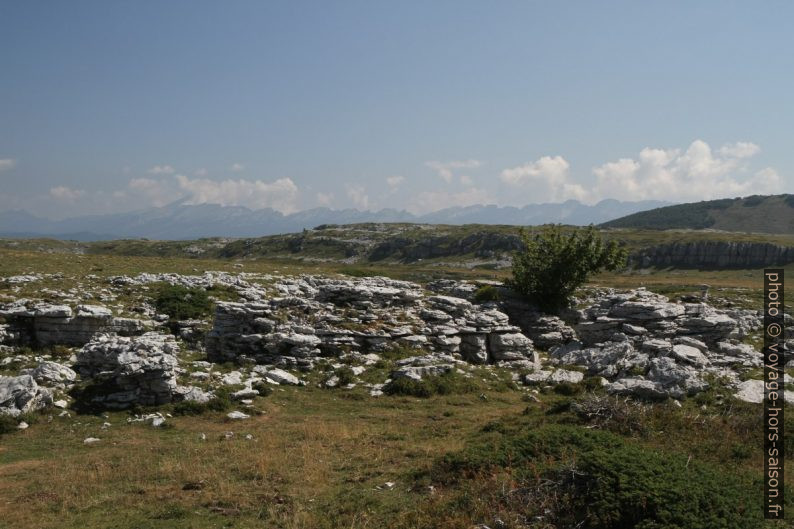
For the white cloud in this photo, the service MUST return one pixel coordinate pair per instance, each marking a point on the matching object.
(445, 169)
(324, 199)
(394, 181)
(694, 174)
(428, 201)
(154, 192)
(237, 167)
(740, 149)
(281, 194)
(358, 196)
(7, 163)
(546, 178)
(66, 194)
(161, 169)
(201, 172)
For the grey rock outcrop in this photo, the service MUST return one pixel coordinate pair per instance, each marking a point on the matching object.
(140, 370)
(713, 254)
(316, 316)
(45, 324)
(21, 394)
(52, 374)
(652, 348)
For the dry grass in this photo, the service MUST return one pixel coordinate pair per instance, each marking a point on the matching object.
(311, 449)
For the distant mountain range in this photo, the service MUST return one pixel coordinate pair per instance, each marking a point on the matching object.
(181, 221)
(753, 214)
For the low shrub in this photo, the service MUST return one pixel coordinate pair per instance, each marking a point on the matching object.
(182, 303)
(486, 293)
(446, 384)
(345, 375)
(189, 407)
(567, 388)
(596, 479)
(8, 424)
(263, 388)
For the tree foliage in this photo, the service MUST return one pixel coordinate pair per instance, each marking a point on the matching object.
(554, 263)
(182, 303)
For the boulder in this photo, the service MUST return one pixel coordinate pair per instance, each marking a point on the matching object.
(689, 355)
(139, 370)
(511, 346)
(637, 387)
(52, 374)
(279, 376)
(474, 348)
(21, 394)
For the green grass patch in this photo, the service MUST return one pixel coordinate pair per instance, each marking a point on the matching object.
(447, 384)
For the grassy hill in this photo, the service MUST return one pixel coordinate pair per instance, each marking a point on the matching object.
(754, 214)
(472, 245)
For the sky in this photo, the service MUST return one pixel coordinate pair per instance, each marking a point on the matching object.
(109, 106)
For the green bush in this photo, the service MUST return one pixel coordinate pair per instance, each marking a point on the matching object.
(8, 424)
(486, 293)
(345, 375)
(263, 388)
(554, 263)
(446, 384)
(597, 480)
(568, 388)
(182, 303)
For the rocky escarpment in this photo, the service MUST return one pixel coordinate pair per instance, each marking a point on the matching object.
(647, 346)
(479, 244)
(140, 370)
(43, 324)
(713, 254)
(317, 317)
(635, 342)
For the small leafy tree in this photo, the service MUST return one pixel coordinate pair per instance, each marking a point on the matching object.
(182, 303)
(554, 263)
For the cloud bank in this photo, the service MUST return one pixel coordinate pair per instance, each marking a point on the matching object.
(697, 172)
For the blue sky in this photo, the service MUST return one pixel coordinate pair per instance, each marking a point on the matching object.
(111, 106)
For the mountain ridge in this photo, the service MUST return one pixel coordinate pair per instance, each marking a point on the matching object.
(179, 221)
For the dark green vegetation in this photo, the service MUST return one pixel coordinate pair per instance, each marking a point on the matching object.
(447, 384)
(763, 214)
(182, 303)
(553, 264)
(599, 480)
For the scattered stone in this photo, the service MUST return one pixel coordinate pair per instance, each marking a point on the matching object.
(237, 415)
(279, 376)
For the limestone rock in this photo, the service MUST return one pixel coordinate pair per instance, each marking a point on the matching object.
(52, 374)
(21, 394)
(139, 370)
